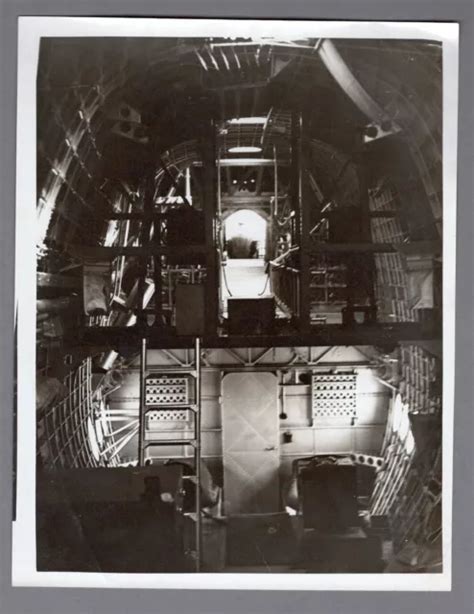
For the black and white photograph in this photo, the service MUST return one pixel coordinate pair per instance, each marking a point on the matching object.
(235, 303)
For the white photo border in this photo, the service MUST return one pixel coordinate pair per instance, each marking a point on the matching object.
(31, 30)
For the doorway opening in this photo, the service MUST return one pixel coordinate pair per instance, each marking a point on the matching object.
(245, 233)
(245, 243)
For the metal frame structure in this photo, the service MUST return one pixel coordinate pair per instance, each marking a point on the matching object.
(195, 440)
(229, 68)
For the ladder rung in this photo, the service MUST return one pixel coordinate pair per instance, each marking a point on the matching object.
(176, 372)
(170, 442)
(164, 407)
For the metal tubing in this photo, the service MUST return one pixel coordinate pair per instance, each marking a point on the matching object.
(345, 78)
(208, 148)
(305, 239)
(142, 409)
(227, 162)
(197, 449)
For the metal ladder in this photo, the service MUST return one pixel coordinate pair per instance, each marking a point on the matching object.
(144, 441)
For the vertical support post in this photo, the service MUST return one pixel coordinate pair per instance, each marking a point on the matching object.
(143, 266)
(187, 177)
(275, 178)
(219, 229)
(208, 149)
(149, 208)
(219, 186)
(197, 454)
(300, 203)
(295, 195)
(272, 238)
(305, 250)
(142, 401)
(367, 264)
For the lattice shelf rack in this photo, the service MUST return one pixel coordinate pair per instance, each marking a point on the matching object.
(333, 395)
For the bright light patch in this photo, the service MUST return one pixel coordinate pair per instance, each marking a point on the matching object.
(404, 424)
(247, 121)
(246, 223)
(92, 436)
(397, 413)
(410, 443)
(244, 150)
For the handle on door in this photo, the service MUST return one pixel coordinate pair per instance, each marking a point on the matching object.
(269, 448)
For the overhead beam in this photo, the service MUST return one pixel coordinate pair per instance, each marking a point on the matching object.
(98, 252)
(88, 252)
(378, 334)
(343, 75)
(227, 162)
(246, 200)
(422, 247)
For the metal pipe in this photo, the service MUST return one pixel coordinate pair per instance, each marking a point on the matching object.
(132, 423)
(275, 186)
(227, 162)
(321, 334)
(123, 443)
(173, 181)
(127, 319)
(278, 261)
(197, 449)
(121, 260)
(142, 408)
(343, 75)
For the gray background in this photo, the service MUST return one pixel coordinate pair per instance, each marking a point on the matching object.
(71, 601)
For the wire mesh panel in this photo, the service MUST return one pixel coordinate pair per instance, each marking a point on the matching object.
(64, 427)
(333, 395)
(421, 380)
(391, 278)
(75, 428)
(166, 390)
(155, 417)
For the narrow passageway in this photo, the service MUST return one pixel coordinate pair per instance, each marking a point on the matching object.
(243, 276)
(246, 278)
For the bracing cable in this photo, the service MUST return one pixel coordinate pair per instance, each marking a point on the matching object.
(266, 284)
(224, 275)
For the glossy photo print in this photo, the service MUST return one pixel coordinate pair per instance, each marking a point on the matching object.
(235, 304)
